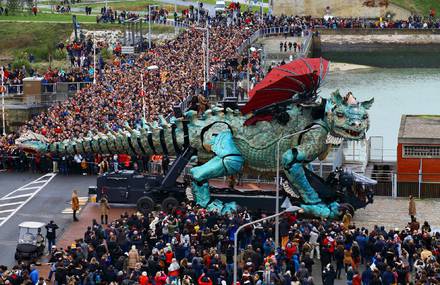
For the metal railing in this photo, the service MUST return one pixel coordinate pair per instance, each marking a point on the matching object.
(14, 89)
(276, 31)
(63, 87)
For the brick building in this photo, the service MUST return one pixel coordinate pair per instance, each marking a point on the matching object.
(418, 148)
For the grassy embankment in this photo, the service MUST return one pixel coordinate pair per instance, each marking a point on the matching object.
(40, 38)
(420, 7)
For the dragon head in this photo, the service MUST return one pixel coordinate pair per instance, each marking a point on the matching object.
(32, 142)
(347, 117)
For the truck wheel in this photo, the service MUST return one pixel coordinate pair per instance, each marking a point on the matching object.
(169, 203)
(348, 207)
(145, 205)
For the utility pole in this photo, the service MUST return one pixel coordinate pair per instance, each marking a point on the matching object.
(94, 58)
(207, 56)
(3, 102)
(143, 96)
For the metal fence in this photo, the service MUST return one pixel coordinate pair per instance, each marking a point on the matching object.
(15, 89)
(63, 87)
(276, 31)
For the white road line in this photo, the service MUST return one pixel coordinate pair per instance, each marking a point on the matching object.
(39, 181)
(7, 211)
(17, 196)
(28, 188)
(10, 204)
(47, 177)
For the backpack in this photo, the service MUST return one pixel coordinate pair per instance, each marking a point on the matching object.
(98, 279)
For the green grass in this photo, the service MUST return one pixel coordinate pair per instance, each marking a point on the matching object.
(420, 7)
(47, 17)
(40, 38)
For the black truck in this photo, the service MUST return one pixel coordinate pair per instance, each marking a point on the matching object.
(148, 192)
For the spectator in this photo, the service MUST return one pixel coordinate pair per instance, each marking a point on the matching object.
(75, 205)
(51, 236)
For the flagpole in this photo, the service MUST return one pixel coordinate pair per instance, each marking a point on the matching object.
(143, 95)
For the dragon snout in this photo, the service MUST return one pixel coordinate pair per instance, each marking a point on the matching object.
(356, 124)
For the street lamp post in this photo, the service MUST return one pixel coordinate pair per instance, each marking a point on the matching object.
(277, 199)
(291, 209)
(94, 58)
(205, 55)
(3, 103)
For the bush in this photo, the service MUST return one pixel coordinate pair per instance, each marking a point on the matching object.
(106, 53)
(60, 54)
(19, 62)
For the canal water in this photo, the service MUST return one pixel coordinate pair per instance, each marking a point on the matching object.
(396, 91)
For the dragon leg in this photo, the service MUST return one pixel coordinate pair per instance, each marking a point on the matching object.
(227, 161)
(293, 161)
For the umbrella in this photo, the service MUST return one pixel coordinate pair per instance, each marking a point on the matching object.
(300, 77)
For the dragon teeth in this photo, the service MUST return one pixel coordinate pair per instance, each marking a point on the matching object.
(333, 140)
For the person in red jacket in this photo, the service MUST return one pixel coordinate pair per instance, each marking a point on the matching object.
(143, 279)
(290, 250)
(160, 278)
(204, 280)
(357, 278)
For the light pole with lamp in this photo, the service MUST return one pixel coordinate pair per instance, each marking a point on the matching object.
(291, 209)
(277, 199)
(149, 24)
(3, 101)
(251, 49)
(205, 55)
(94, 58)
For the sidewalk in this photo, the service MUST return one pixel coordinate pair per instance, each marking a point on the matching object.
(76, 230)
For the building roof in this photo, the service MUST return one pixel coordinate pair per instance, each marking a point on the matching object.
(419, 129)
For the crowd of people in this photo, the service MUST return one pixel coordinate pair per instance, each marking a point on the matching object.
(189, 245)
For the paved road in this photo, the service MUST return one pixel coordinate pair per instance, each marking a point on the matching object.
(47, 204)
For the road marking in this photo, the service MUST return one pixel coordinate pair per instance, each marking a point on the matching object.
(82, 202)
(42, 181)
(70, 211)
(7, 211)
(28, 188)
(10, 204)
(15, 197)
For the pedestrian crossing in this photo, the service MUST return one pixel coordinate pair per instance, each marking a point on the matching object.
(12, 202)
(82, 202)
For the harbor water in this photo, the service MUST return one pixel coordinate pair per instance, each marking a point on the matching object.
(396, 91)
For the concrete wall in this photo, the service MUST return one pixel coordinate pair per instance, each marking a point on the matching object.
(351, 40)
(338, 8)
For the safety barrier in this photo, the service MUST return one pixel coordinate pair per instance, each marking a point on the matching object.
(276, 31)
(14, 89)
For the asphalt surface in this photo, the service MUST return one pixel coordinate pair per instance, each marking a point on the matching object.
(48, 204)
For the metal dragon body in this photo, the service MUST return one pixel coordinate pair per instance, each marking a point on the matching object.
(226, 145)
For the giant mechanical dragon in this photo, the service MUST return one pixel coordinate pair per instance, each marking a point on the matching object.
(228, 145)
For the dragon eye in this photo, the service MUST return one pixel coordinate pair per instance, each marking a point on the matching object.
(365, 116)
(339, 114)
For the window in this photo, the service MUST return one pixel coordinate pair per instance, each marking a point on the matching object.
(421, 151)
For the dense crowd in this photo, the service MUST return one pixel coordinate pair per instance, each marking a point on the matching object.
(110, 102)
(189, 245)
(179, 70)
